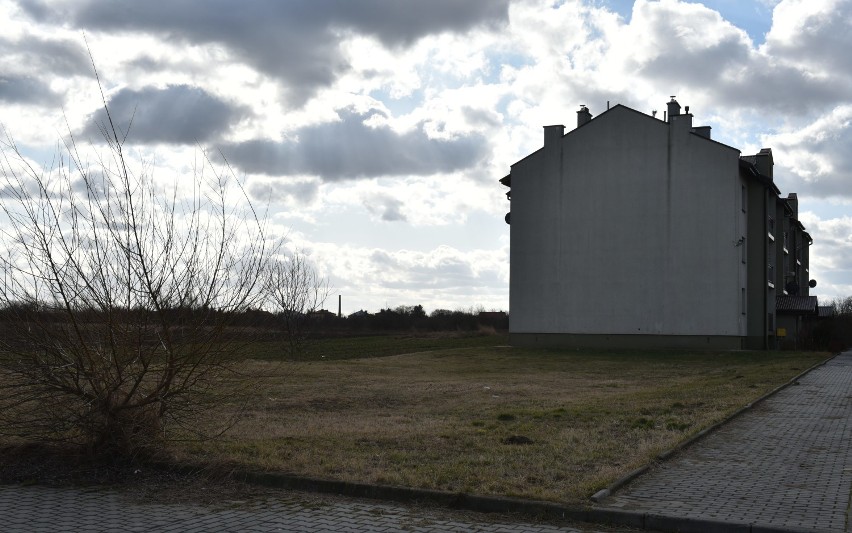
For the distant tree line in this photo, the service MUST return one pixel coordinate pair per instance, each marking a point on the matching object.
(834, 332)
(320, 323)
(414, 317)
(279, 324)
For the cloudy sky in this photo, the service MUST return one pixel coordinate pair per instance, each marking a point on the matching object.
(376, 130)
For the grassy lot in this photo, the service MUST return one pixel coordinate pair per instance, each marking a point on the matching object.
(441, 419)
(378, 345)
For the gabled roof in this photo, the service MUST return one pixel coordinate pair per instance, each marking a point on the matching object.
(614, 111)
(796, 304)
(749, 159)
(748, 168)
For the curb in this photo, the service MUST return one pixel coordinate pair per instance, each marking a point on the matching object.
(533, 509)
(451, 500)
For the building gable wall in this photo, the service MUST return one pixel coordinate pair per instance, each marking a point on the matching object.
(628, 226)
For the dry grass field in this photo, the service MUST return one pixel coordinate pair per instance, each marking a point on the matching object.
(540, 424)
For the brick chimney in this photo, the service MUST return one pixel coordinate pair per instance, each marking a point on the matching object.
(674, 108)
(764, 162)
(552, 134)
(793, 201)
(583, 116)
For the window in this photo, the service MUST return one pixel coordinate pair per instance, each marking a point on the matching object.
(743, 249)
(743, 198)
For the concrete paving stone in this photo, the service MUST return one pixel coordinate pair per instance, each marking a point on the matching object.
(28, 509)
(785, 462)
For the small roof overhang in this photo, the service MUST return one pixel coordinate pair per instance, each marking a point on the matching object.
(825, 311)
(796, 305)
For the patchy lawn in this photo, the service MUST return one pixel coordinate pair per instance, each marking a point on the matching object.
(541, 424)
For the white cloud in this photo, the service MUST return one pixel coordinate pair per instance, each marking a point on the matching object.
(815, 159)
(831, 254)
(442, 200)
(444, 277)
(813, 35)
(401, 122)
(355, 146)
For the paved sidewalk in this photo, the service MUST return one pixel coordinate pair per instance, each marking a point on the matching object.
(786, 463)
(73, 509)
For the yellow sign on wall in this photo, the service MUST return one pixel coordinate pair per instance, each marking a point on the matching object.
(781, 332)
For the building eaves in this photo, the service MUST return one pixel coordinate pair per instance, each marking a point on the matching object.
(737, 150)
(613, 110)
(528, 156)
(645, 115)
(747, 166)
(788, 209)
(796, 304)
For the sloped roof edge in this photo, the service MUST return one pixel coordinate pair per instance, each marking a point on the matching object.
(630, 109)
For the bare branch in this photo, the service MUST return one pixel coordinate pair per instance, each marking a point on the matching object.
(118, 301)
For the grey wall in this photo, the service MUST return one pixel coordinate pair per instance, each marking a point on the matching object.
(627, 225)
(759, 197)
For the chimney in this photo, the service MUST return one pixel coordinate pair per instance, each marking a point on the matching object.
(793, 201)
(682, 122)
(674, 108)
(764, 162)
(704, 131)
(583, 116)
(552, 134)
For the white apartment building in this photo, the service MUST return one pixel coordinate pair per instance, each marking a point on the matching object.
(640, 231)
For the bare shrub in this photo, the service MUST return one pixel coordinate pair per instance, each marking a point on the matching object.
(117, 295)
(294, 291)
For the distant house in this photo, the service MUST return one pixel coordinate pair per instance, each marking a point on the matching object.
(322, 314)
(632, 231)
